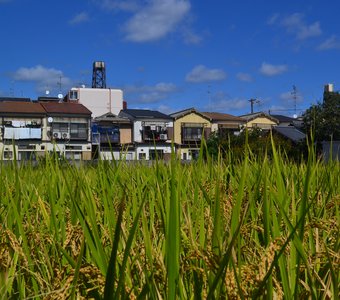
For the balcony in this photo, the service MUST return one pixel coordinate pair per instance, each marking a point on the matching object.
(154, 134)
(25, 133)
(192, 135)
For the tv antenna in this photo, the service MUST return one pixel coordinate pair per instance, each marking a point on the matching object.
(295, 96)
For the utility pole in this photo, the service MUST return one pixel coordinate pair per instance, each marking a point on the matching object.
(252, 101)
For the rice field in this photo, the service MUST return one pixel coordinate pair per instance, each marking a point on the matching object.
(213, 229)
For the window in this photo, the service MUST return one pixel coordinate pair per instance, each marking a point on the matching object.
(155, 154)
(8, 154)
(192, 133)
(73, 95)
(78, 131)
(141, 156)
(60, 127)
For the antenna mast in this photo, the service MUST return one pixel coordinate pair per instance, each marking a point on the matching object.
(294, 94)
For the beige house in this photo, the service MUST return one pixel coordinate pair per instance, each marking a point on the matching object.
(223, 124)
(259, 120)
(190, 127)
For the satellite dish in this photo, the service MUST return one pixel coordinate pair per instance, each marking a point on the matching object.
(50, 119)
(295, 116)
(60, 96)
(47, 92)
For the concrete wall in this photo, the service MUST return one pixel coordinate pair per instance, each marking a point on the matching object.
(101, 101)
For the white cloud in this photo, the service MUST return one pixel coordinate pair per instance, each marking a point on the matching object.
(272, 70)
(190, 37)
(201, 73)
(272, 20)
(296, 25)
(156, 20)
(221, 102)
(332, 43)
(149, 94)
(165, 109)
(244, 77)
(42, 77)
(79, 18)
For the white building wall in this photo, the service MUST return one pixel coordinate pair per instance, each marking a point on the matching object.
(146, 149)
(100, 101)
(137, 134)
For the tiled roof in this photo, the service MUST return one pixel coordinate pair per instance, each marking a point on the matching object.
(249, 117)
(13, 107)
(215, 116)
(110, 117)
(65, 108)
(290, 132)
(144, 114)
(15, 99)
(284, 119)
(182, 113)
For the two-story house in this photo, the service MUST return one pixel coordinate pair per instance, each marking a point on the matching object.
(224, 124)
(67, 130)
(259, 120)
(112, 138)
(190, 127)
(21, 130)
(152, 133)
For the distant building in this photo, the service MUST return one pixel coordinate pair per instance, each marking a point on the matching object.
(152, 133)
(223, 124)
(190, 127)
(260, 120)
(112, 137)
(98, 100)
(28, 130)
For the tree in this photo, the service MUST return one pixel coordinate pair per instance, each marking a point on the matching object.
(323, 119)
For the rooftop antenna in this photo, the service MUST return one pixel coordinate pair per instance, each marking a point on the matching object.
(60, 95)
(209, 97)
(294, 94)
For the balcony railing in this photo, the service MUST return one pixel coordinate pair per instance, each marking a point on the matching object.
(22, 133)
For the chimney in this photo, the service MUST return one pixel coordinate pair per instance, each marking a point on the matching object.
(329, 88)
(124, 104)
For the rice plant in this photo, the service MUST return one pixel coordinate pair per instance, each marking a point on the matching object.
(215, 229)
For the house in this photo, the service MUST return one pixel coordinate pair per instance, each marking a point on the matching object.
(112, 137)
(152, 133)
(98, 100)
(284, 120)
(190, 127)
(67, 130)
(21, 130)
(223, 124)
(259, 120)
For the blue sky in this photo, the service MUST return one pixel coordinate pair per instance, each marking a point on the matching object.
(170, 55)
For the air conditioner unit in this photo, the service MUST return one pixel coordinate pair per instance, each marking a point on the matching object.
(65, 135)
(56, 135)
(163, 136)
